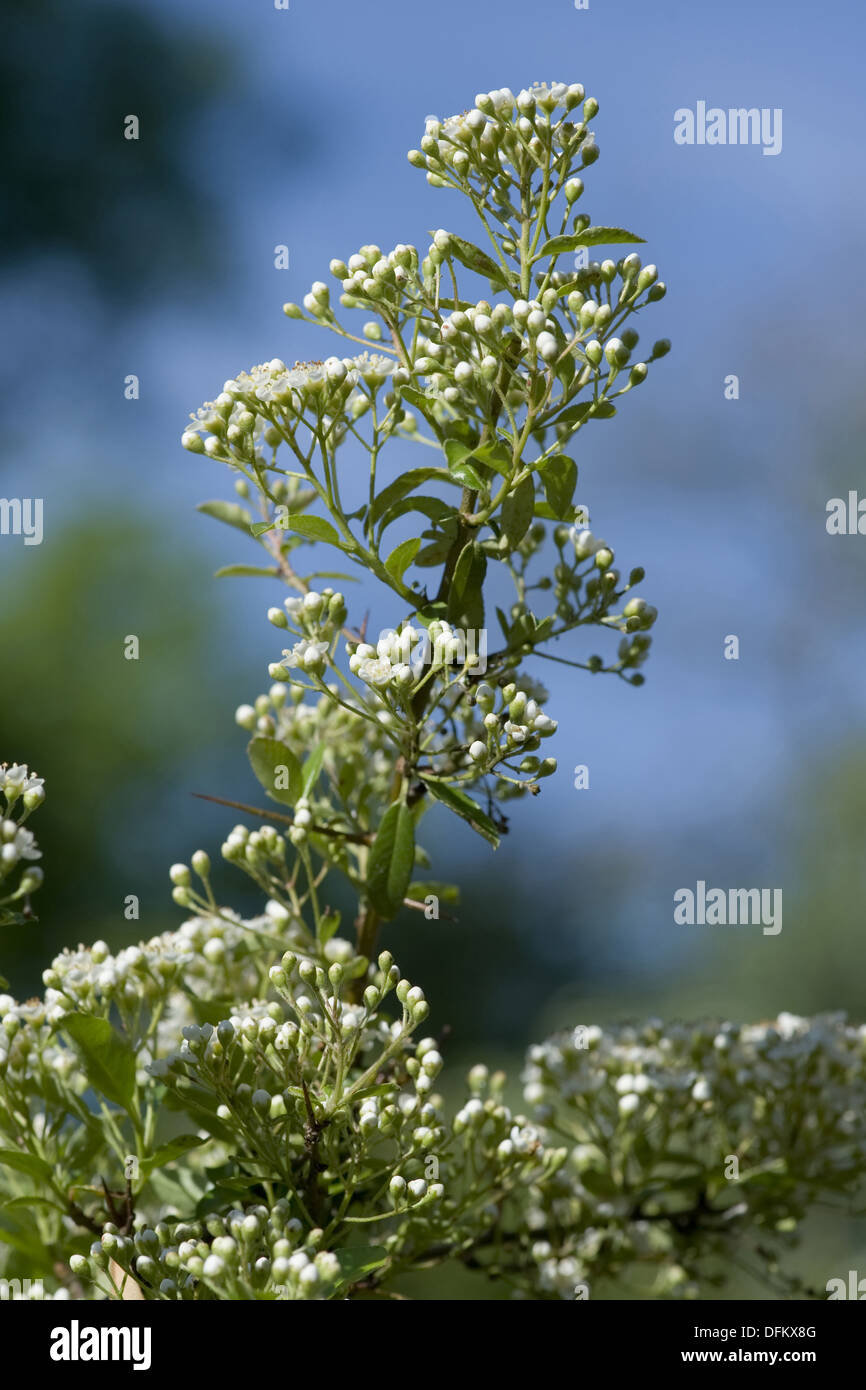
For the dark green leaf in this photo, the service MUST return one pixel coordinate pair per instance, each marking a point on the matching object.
(463, 805)
(467, 475)
(277, 769)
(391, 860)
(312, 768)
(400, 559)
(575, 413)
(229, 512)
(313, 528)
(591, 236)
(430, 612)
(334, 574)
(431, 507)
(200, 1105)
(466, 597)
(167, 1153)
(31, 1200)
(357, 1261)
(598, 1183)
(497, 455)
(402, 486)
(475, 259)
(108, 1061)
(559, 479)
(416, 398)
(517, 512)
(28, 1163)
(329, 923)
(237, 570)
(437, 551)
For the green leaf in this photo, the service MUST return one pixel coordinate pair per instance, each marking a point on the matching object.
(456, 304)
(334, 574)
(423, 888)
(415, 397)
(11, 918)
(565, 369)
(26, 1239)
(167, 1153)
(601, 410)
(466, 597)
(230, 512)
(431, 507)
(517, 512)
(430, 612)
(559, 479)
(470, 255)
(28, 1163)
(462, 430)
(463, 805)
(437, 551)
(108, 1061)
(598, 1183)
(391, 861)
(211, 1011)
(357, 1261)
(402, 486)
(200, 1105)
(312, 768)
(277, 768)
(329, 924)
(400, 559)
(575, 413)
(313, 528)
(592, 236)
(467, 475)
(497, 455)
(234, 570)
(459, 457)
(32, 1199)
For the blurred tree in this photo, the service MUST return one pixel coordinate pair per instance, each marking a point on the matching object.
(120, 742)
(74, 184)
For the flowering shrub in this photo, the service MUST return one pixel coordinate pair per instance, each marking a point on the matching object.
(248, 1109)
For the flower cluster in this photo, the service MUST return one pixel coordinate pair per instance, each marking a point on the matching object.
(685, 1138)
(253, 1252)
(23, 792)
(478, 149)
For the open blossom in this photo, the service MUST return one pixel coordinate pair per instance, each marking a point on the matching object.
(375, 671)
(309, 655)
(18, 843)
(17, 779)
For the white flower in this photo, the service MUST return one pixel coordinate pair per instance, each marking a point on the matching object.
(309, 655)
(371, 367)
(17, 779)
(22, 846)
(375, 672)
